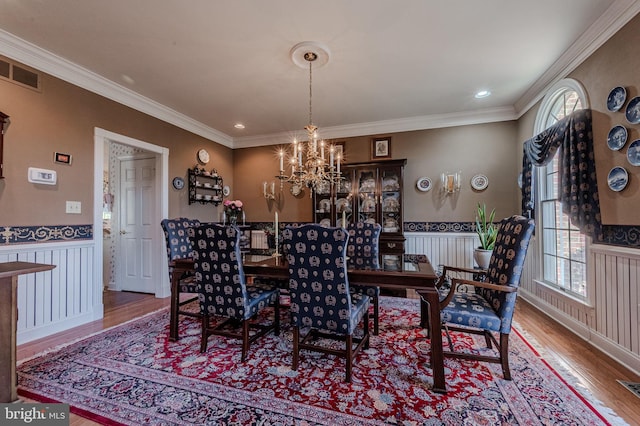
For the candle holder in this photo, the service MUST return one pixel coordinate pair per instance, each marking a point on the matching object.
(269, 190)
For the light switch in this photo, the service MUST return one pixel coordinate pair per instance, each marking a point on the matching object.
(74, 207)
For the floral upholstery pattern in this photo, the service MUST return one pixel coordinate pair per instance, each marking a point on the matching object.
(363, 253)
(321, 301)
(490, 306)
(222, 287)
(320, 296)
(491, 309)
(179, 246)
(220, 277)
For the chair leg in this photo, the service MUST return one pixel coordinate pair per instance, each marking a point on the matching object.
(366, 330)
(175, 307)
(276, 319)
(349, 355)
(376, 322)
(296, 347)
(446, 332)
(504, 355)
(487, 339)
(204, 334)
(245, 339)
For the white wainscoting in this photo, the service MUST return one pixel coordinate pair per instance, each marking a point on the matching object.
(443, 248)
(611, 318)
(67, 296)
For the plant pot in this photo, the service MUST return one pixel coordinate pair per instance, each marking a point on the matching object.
(482, 257)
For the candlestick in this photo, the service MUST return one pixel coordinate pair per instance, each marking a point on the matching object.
(344, 218)
(281, 160)
(331, 150)
(264, 188)
(273, 188)
(338, 161)
(322, 149)
(276, 254)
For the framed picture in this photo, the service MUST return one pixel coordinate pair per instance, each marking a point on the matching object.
(380, 148)
(61, 158)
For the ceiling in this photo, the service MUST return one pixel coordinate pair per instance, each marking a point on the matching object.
(393, 66)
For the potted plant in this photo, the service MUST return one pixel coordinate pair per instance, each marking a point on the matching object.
(487, 232)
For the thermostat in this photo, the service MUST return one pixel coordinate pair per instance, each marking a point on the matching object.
(42, 176)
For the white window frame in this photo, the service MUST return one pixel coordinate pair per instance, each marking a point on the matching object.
(541, 123)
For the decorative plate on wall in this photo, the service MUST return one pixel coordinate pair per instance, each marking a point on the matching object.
(226, 190)
(178, 183)
(633, 153)
(424, 184)
(617, 179)
(616, 98)
(633, 111)
(617, 137)
(479, 182)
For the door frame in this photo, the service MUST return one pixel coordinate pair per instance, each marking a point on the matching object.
(101, 138)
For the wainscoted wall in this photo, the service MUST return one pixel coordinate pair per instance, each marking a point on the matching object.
(56, 300)
(610, 320)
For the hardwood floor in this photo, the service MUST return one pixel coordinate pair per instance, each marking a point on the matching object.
(595, 371)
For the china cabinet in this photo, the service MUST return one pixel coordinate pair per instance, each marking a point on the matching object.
(368, 192)
(205, 187)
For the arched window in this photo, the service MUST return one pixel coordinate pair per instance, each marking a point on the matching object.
(563, 245)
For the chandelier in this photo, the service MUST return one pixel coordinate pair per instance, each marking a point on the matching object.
(314, 163)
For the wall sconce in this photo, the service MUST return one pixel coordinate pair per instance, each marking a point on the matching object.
(450, 182)
(269, 191)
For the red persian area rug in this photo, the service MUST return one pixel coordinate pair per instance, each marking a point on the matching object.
(132, 374)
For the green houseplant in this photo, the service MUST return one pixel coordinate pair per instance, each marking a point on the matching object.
(487, 232)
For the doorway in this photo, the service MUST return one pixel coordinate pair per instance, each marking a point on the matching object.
(158, 197)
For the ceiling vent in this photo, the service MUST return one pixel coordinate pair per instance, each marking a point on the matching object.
(19, 75)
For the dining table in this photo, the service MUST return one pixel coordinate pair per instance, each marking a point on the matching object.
(414, 272)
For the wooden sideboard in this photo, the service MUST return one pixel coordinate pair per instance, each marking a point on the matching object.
(9, 273)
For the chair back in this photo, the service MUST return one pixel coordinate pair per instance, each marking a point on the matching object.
(177, 238)
(219, 272)
(505, 266)
(318, 278)
(363, 245)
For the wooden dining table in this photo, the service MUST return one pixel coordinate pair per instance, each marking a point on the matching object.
(415, 272)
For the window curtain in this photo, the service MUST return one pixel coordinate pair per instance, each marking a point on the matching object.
(577, 172)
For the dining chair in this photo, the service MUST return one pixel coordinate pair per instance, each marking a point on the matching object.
(488, 308)
(224, 292)
(322, 305)
(179, 246)
(363, 253)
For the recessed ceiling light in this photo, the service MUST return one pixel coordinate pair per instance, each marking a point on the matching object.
(239, 126)
(482, 94)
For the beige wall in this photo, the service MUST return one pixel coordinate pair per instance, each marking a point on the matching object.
(487, 149)
(62, 118)
(616, 63)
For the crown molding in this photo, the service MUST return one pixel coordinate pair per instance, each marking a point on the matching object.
(45, 61)
(489, 115)
(609, 23)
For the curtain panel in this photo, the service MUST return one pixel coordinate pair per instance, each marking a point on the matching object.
(577, 171)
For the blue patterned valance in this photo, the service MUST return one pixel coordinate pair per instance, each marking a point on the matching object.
(577, 170)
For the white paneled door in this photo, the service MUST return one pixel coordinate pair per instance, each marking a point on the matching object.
(137, 228)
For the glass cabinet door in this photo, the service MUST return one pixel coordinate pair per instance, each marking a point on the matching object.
(391, 199)
(322, 205)
(367, 200)
(344, 199)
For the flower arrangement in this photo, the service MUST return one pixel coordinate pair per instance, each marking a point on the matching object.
(233, 209)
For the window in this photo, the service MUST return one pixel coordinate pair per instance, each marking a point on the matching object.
(563, 246)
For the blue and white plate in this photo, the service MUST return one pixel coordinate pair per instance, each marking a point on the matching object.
(423, 184)
(617, 179)
(617, 138)
(633, 153)
(633, 111)
(616, 98)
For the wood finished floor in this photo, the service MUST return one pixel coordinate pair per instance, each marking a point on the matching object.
(595, 371)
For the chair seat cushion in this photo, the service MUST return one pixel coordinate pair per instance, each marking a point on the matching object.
(259, 298)
(371, 291)
(471, 310)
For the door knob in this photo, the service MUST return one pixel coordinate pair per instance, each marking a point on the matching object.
(122, 232)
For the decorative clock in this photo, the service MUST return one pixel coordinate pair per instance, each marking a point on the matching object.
(203, 156)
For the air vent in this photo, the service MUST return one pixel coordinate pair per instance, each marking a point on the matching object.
(19, 75)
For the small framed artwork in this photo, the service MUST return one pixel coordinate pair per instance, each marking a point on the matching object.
(61, 158)
(380, 148)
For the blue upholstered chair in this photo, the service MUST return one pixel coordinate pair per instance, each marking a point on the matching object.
(223, 291)
(321, 302)
(488, 308)
(179, 247)
(363, 253)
